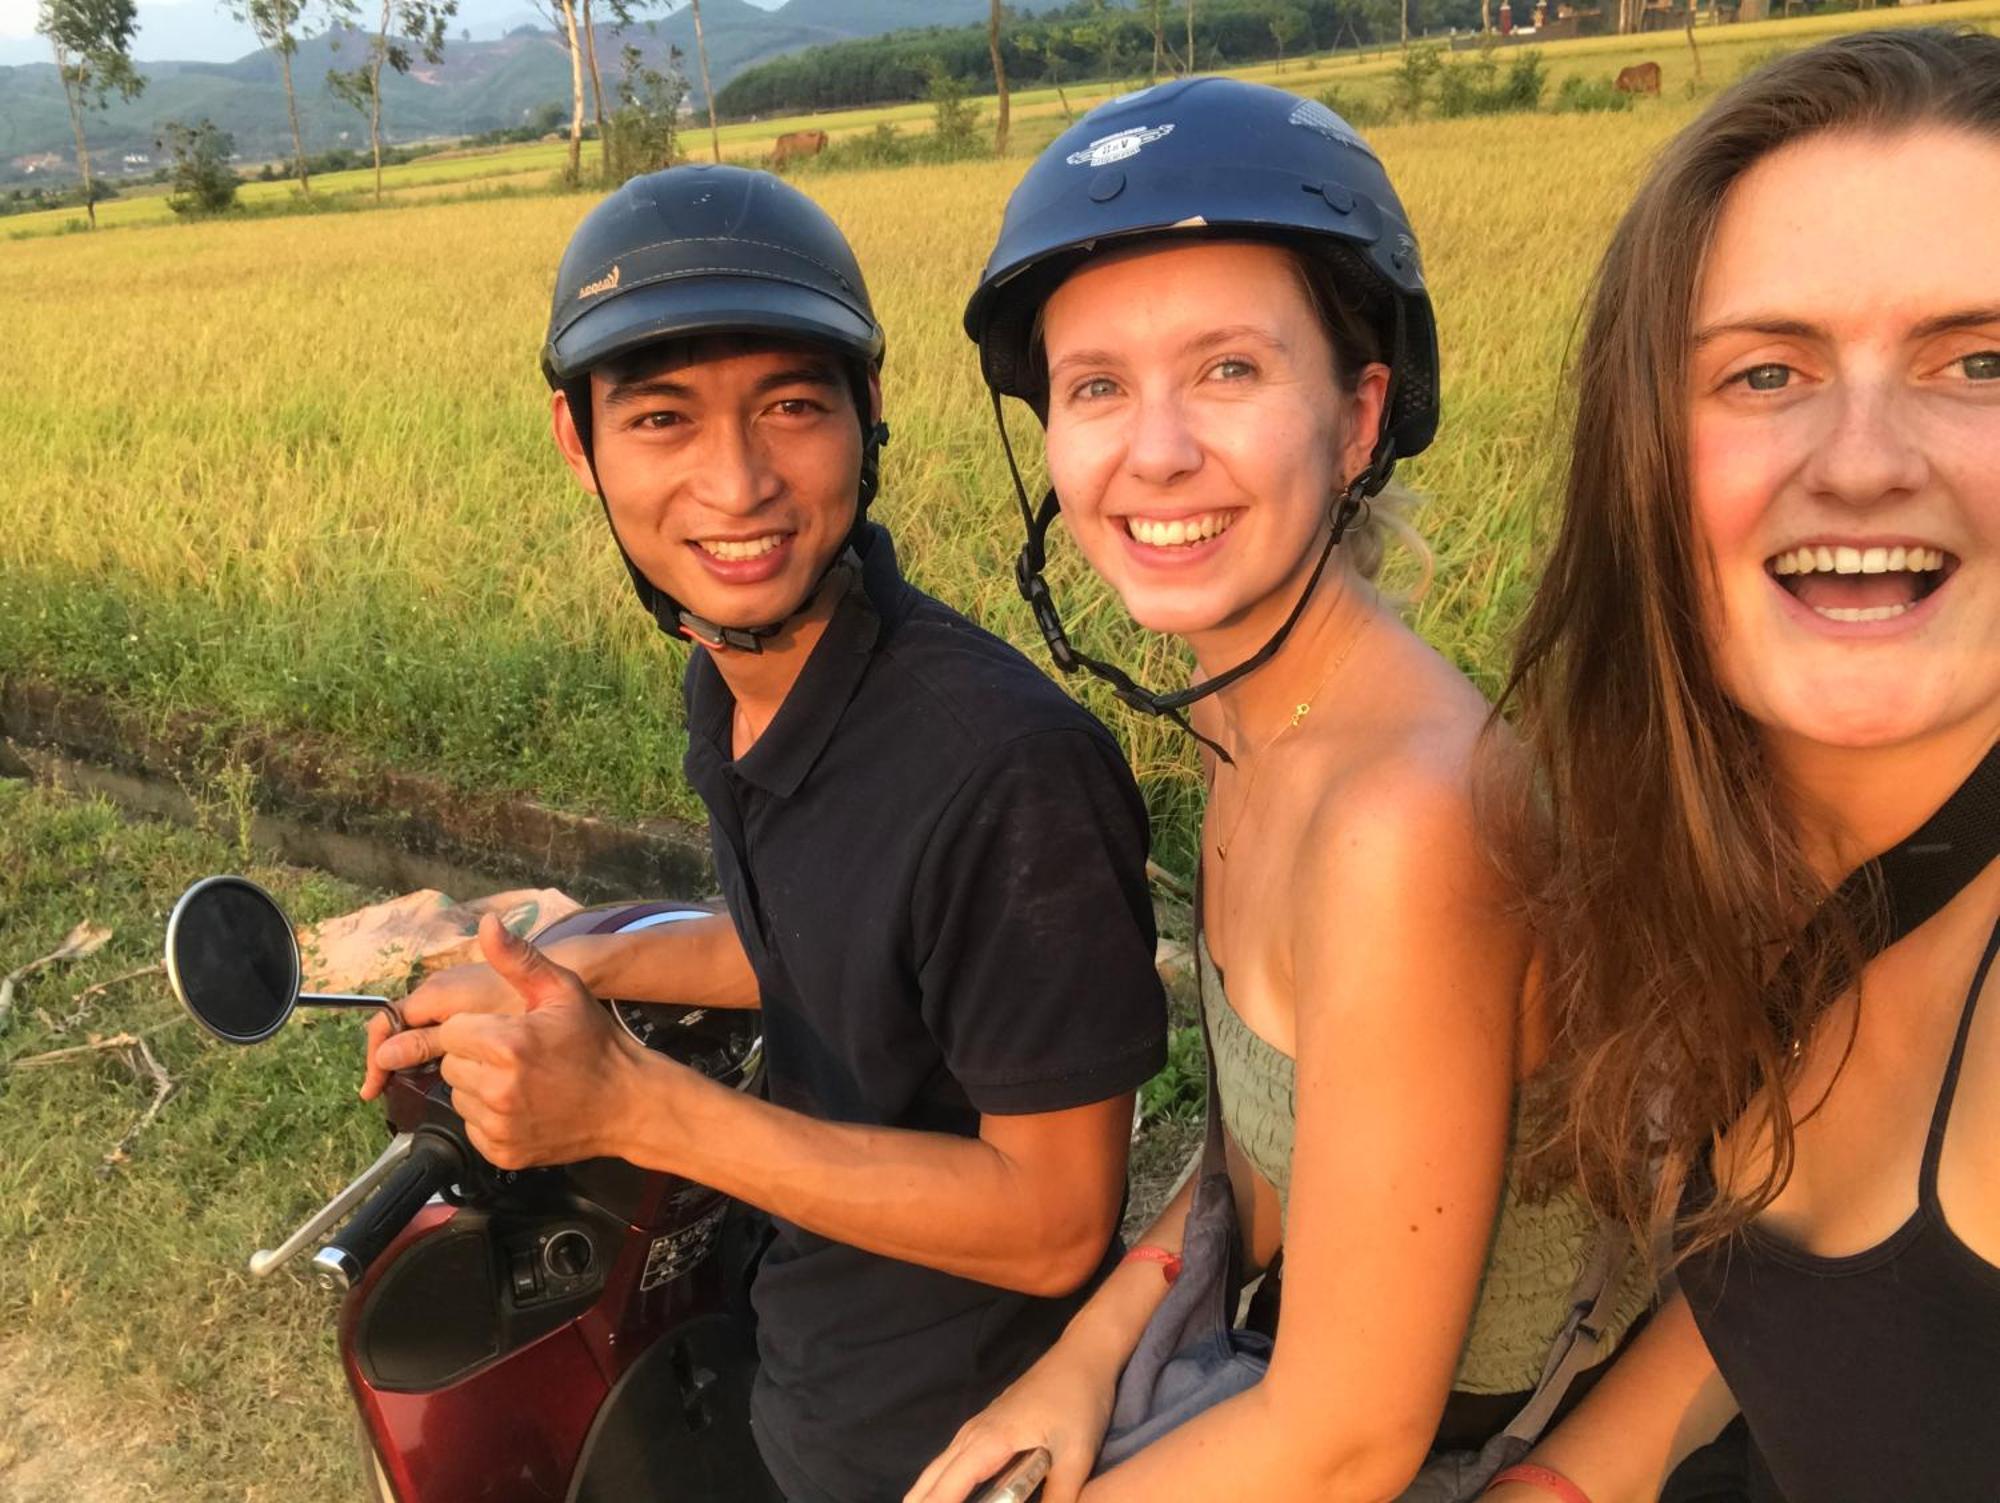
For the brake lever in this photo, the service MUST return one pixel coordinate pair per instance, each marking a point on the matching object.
(267, 1261)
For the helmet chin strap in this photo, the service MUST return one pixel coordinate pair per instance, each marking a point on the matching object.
(675, 619)
(1034, 589)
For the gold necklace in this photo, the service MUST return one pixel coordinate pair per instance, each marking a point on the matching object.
(1299, 712)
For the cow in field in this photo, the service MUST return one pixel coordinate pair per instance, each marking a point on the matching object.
(798, 143)
(1640, 78)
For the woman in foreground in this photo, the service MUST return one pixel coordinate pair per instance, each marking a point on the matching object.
(1767, 652)
(1209, 293)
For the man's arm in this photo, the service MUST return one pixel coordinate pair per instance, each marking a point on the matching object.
(697, 962)
(1030, 1204)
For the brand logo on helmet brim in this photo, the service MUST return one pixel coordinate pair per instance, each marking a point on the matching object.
(602, 284)
(1116, 148)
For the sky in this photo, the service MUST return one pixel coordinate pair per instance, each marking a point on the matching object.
(203, 31)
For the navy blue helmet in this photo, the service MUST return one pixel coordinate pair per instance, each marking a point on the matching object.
(1212, 156)
(705, 250)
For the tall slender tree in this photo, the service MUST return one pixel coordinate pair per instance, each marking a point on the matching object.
(999, 77)
(707, 90)
(574, 170)
(596, 86)
(1287, 25)
(92, 42)
(405, 24)
(1190, 36)
(563, 13)
(278, 25)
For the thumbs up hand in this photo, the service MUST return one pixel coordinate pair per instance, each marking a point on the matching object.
(535, 1086)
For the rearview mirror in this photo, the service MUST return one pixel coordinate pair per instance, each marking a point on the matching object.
(233, 961)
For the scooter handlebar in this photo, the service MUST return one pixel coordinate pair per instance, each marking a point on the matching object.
(433, 1162)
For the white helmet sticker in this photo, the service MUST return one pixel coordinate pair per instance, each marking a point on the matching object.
(1126, 143)
(1317, 117)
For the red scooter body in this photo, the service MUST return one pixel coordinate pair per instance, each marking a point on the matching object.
(567, 1335)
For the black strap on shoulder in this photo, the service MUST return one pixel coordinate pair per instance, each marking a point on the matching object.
(1886, 899)
(1911, 881)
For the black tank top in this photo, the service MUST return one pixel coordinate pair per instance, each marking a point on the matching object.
(1872, 1378)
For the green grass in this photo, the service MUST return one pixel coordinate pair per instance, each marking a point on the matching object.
(137, 1358)
(124, 1306)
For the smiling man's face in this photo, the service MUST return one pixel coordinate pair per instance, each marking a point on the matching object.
(730, 469)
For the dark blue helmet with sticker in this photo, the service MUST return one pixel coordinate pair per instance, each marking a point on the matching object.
(1213, 156)
(1206, 157)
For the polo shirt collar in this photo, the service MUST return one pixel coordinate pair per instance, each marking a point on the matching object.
(798, 734)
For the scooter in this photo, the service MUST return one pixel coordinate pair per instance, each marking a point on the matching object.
(576, 1334)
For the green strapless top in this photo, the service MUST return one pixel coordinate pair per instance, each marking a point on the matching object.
(1539, 1247)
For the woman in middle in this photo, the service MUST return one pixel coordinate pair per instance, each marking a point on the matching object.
(1210, 295)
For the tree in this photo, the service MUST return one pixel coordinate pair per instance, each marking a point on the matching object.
(1190, 35)
(92, 42)
(564, 15)
(596, 85)
(707, 92)
(202, 181)
(404, 24)
(1047, 42)
(1287, 25)
(277, 24)
(955, 118)
(644, 130)
(999, 77)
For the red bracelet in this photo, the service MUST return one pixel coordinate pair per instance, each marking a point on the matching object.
(1542, 1477)
(1170, 1263)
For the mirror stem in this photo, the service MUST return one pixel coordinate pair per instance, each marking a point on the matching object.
(387, 1008)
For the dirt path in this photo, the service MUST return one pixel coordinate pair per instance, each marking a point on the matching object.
(58, 1446)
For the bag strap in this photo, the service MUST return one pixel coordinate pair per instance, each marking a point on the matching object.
(1592, 1296)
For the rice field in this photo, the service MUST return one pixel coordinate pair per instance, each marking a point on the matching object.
(294, 472)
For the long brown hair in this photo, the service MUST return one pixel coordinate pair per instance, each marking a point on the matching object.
(1664, 875)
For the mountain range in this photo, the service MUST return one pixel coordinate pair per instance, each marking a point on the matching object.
(480, 86)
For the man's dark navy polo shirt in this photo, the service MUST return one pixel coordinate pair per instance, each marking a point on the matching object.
(936, 860)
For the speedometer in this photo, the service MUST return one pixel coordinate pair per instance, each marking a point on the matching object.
(723, 1044)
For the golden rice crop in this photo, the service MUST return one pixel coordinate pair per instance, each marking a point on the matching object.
(295, 471)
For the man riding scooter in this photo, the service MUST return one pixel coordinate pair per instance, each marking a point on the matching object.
(933, 862)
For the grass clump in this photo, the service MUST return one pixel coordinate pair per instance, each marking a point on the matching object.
(1481, 87)
(1587, 96)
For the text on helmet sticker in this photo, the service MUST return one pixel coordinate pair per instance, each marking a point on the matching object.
(602, 284)
(1116, 148)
